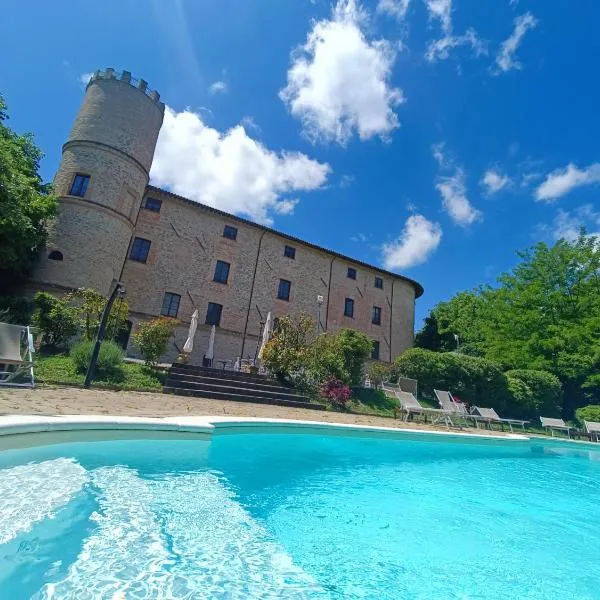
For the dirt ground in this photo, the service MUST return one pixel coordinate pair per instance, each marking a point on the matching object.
(75, 401)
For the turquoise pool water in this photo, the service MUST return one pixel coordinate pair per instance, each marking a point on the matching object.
(299, 516)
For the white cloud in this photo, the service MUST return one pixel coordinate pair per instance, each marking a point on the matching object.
(493, 181)
(338, 83)
(394, 8)
(505, 59)
(441, 10)
(218, 87)
(562, 181)
(567, 225)
(230, 171)
(418, 240)
(453, 190)
(84, 78)
(359, 237)
(440, 49)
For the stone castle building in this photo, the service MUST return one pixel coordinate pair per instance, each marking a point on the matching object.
(175, 255)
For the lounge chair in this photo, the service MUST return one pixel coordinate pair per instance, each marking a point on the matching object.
(410, 405)
(491, 416)
(593, 429)
(16, 355)
(458, 409)
(553, 424)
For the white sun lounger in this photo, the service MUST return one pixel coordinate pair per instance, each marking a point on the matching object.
(16, 355)
(410, 405)
(491, 416)
(457, 409)
(553, 424)
(593, 428)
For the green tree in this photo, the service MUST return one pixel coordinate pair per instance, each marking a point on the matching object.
(151, 338)
(56, 319)
(26, 204)
(90, 306)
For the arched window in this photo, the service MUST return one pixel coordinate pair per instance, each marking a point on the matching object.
(55, 255)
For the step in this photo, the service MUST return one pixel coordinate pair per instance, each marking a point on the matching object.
(210, 388)
(271, 386)
(241, 398)
(210, 371)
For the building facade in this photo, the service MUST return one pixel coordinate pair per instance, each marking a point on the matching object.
(175, 255)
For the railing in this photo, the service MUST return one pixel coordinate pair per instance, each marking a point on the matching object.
(140, 84)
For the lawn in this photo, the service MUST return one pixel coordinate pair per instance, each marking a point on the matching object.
(59, 370)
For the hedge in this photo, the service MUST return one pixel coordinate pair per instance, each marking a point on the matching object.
(545, 397)
(591, 412)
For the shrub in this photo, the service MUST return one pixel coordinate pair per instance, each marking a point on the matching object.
(151, 338)
(520, 398)
(546, 393)
(378, 373)
(588, 413)
(336, 391)
(109, 361)
(475, 380)
(354, 347)
(56, 319)
(16, 309)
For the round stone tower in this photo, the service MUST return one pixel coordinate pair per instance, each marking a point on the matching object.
(100, 183)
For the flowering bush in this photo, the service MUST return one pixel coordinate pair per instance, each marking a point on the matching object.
(336, 391)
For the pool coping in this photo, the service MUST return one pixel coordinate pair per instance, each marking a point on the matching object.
(28, 424)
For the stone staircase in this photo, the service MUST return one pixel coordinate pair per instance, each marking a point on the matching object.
(219, 384)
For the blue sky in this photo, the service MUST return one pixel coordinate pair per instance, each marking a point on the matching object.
(433, 137)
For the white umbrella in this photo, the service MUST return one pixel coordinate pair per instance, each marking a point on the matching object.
(266, 335)
(189, 343)
(210, 353)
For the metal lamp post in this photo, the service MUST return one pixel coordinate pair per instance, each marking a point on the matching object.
(319, 304)
(118, 291)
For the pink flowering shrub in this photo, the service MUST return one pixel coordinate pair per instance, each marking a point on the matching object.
(336, 391)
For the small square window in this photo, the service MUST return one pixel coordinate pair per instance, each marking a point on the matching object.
(289, 252)
(79, 185)
(152, 204)
(376, 317)
(213, 314)
(230, 232)
(139, 250)
(170, 305)
(351, 273)
(375, 350)
(283, 293)
(349, 307)
(221, 272)
(379, 283)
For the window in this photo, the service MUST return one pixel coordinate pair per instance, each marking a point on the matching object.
(55, 255)
(379, 283)
(349, 307)
(221, 272)
(152, 204)
(140, 249)
(351, 273)
(375, 350)
(230, 232)
(213, 314)
(283, 293)
(79, 185)
(170, 305)
(289, 252)
(376, 316)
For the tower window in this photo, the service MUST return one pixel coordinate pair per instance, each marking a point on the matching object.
(351, 273)
(230, 232)
(170, 305)
(379, 283)
(376, 316)
(152, 204)
(213, 314)
(283, 293)
(221, 272)
(349, 307)
(289, 252)
(79, 185)
(139, 250)
(55, 255)
(375, 350)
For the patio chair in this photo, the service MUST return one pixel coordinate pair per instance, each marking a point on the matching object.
(491, 416)
(16, 355)
(593, 429)
(548, 423)
(410, 405)
(458, 409)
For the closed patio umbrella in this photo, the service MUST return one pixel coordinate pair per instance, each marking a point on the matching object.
(189, 343)
(210, 353)
(266, 336)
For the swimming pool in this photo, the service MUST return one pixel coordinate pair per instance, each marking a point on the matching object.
(265, 514)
